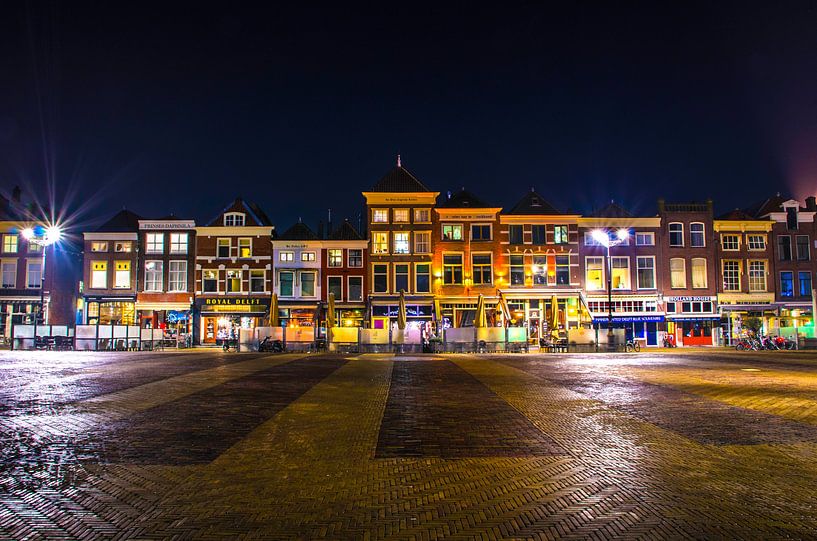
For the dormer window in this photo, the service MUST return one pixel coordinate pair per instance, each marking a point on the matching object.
(534, 202)
(791, 218)
(234, 219)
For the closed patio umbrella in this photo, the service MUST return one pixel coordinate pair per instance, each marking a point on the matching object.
(273, 311)
(480, 319)
(401, 311)
(554, 318)
(330, 311)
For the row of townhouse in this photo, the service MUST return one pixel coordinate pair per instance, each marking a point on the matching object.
(679, 270)
(211, 280)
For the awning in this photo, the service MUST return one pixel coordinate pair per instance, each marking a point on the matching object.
(694, 317)
(747, 307)
(160, 306)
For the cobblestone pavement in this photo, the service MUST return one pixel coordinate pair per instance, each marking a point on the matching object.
(207, 445)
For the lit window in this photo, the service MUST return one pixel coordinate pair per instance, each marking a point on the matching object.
(380, 216)
(756, 242)
(678, 273)
(757, 276)
(286, 257)
(645, 239)
(804, 281)
(34, 275)
(355, 258)
(422, 242)
(224, 247)
(244, 248)
(594, 273)
(422, 278)
(676, 234)
(422, 216)
(155, 243)
(123, 247)
(621, 272)
(699, 279)
(560, 234)
(257, 280)
(35, 247)
(401, 277)
(178, 243)
(99, 274)
(730, 243)
(540, 269)
(452, 232)
(234, 219)
(99, 246)
(731, 275)
(481, 266)
(335, 257)
(153, 276)
(452, 268)
(787, 284)
(380, 242)
(177, 276)
(401, 215)
(696, 235)
(10, 244)
(309, 256)
(233, 281)
(307, 284)
(401, 243)
(121, 279)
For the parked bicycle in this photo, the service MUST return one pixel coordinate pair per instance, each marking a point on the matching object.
(632, 345)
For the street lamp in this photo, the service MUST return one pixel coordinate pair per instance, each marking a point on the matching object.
(604, 237)
(43, 237)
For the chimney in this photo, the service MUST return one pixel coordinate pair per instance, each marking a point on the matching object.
(811, 203)
(320, 229)
(15, 194)
(329, 224)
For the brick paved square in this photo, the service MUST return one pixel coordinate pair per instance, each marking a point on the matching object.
(207, 445)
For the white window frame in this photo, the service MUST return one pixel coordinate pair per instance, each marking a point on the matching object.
(386, 265)
(94, 275)
(645, 235)
(263, 278)
(408, 275)
(725, 236)
(117, 271)
(638, 275)
(478, 224)
(749, 242)
(349, 258)
(490, 266)
(11, 244)
(234, 219)
(380, 212)
(613, 273)
(179, 243)
(406, 248)
(286, 256)
(397, 211)
(203, 279)
(101, 244)
(763, 274)
(587, 269)
(453, 229)
(248, 242)
(12, 263)
(123, 243)
(692, 234)
(349, 280)
(422, 242)
(315, 284)
(229, 247)
(154, 243)
(308, 257)
(181, 285)
(280, 282)
(334, 262)
(683, 273)
(380, 247)
(240, 280)
(737, 262)
(706, 272)
(430, 277)
(670, 232)
(39, 283)
(417, 217)
(154, 285)
(329, 289)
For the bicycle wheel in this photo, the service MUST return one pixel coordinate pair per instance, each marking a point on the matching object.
(740, 346)
(628, 348)
(637, 346)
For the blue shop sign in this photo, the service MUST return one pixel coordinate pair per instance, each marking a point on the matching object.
(630, 319)
(176, 316)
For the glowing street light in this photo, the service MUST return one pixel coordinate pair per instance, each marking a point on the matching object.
(604, 237)
(43, 236)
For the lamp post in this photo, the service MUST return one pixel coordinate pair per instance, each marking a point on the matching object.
(603, 237)
(43, 237)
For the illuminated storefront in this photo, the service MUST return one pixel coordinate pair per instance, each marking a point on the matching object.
(110, 311)
(693, 319)
(222, 318)
(640, 316)
(537, 316)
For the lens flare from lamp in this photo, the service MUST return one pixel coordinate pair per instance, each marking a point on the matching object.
(53, 234)
(601, 237)
(28, 233)
(622, 234)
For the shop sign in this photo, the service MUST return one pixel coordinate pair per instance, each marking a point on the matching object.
(234, 301)
(167, 225)
(479, 217)
(411, 311)
(689, 299)
(631, 319)
(175, 316)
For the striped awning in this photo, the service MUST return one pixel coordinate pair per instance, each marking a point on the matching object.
(160, 306)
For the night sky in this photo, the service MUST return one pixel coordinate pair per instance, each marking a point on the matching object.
(181, 109)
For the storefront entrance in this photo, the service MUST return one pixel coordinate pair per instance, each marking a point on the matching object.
(217, 328)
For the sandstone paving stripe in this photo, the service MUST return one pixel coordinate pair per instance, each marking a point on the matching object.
(692, 490)
(197, 428)
(437, 410)
(693, 416)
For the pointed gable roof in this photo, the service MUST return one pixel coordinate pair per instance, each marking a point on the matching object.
(239, 205)
(399, 180)
(463, 199)
(299, 231)
(611, 210)
(123, 221)
(767, 206)
(533, 203)
(346, 231)
(736, 214)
